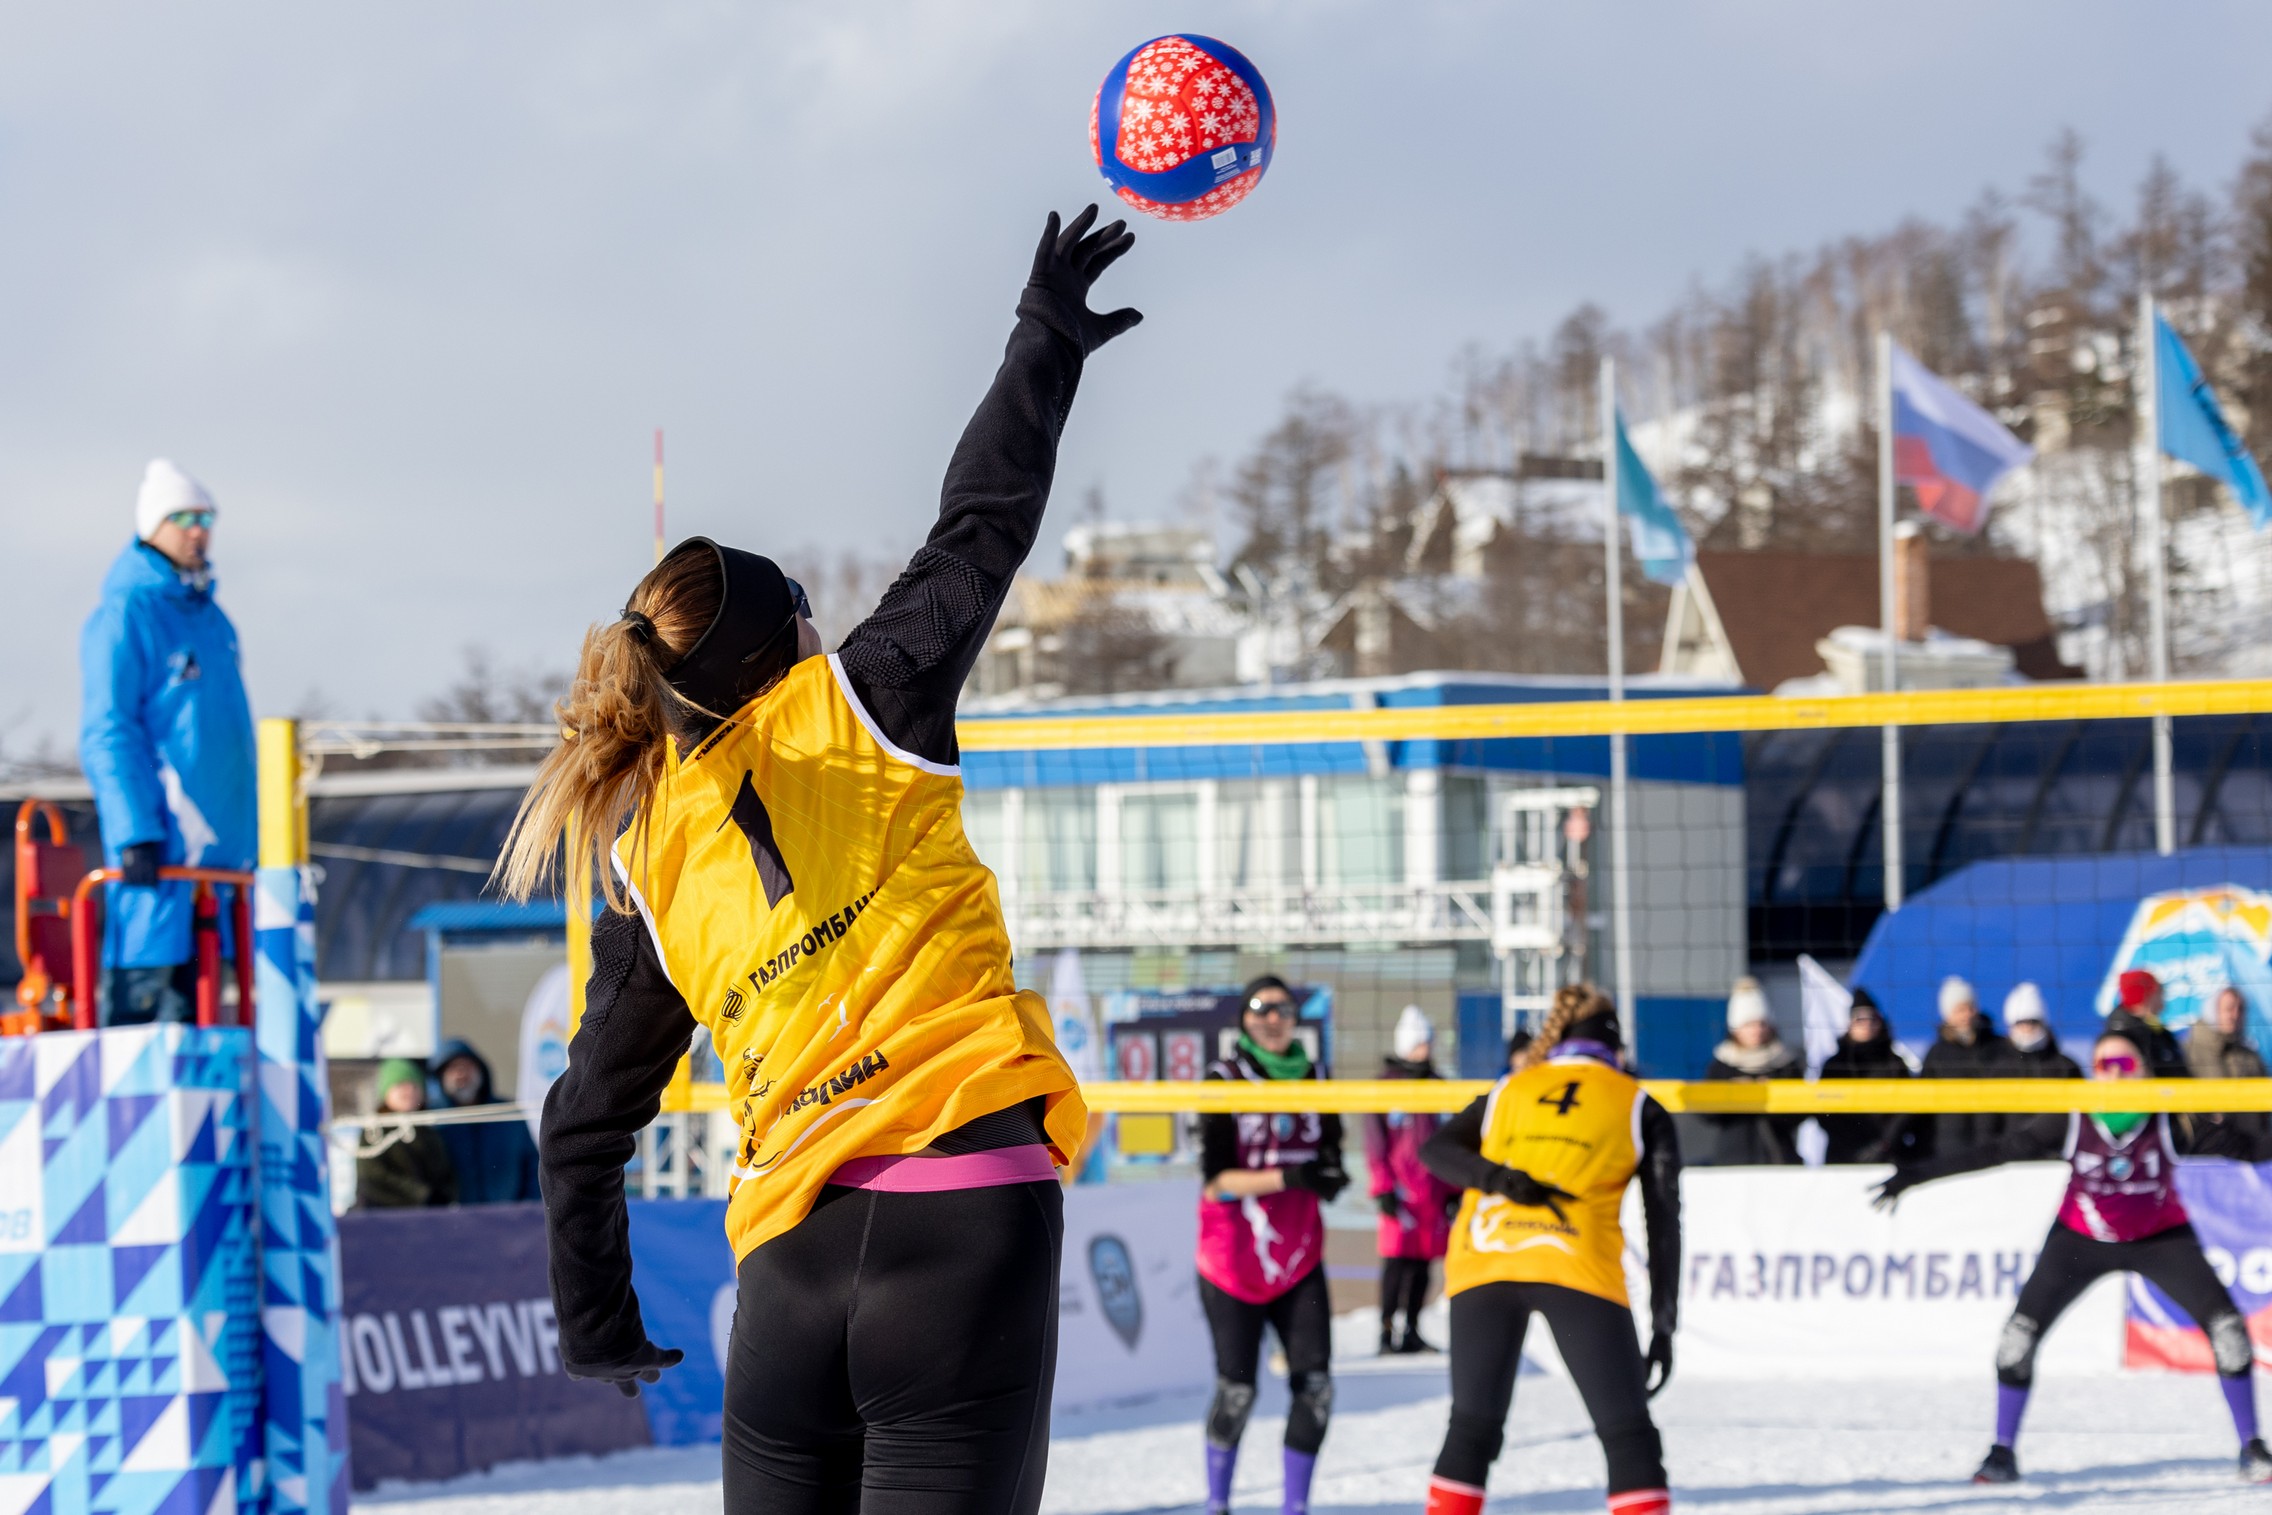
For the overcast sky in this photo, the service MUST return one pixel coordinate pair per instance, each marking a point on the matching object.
(409, 284)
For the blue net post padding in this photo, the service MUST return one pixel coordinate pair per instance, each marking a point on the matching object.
(304, 1411)
(129, 1337)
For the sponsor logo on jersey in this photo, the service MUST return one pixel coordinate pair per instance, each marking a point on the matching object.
(823, 933)
(843, 1083)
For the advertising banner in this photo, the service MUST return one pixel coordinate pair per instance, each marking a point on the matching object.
(1129, 1322)
(2199, 942)
(684, 1272)
(450, 1354)
(2231, 1208)
(1788, 1272)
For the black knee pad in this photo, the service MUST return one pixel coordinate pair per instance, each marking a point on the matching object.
(1313, 1407)
(1471, 1445)
(2229, 1344)
(1226, 1417)
(1635, 1454)
(2015, 1352)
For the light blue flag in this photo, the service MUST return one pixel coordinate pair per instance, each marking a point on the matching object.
(2194, 429)
(1660, 542)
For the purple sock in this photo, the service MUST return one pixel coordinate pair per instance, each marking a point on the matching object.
(1220, 1462)
(2011, 1403)
(2240, 1396)
(1299, 1467)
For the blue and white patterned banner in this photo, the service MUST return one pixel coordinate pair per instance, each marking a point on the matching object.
(129, 1356)
(304, 1410)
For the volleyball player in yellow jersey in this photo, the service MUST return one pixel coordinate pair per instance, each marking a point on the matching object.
(788, 871)
(1545, 1158)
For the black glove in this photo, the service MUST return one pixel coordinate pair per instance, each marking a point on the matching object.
(1660, 1361)
(1064, 266)
(1323, 1179)
(643, 1366)
(138, 864)
(1391, 1206)
(1516, 1185)
(1889, 1190)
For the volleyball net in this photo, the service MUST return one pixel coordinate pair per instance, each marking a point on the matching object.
(1466, 846)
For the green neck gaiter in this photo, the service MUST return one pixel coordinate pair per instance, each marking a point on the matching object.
(2119, 1125)
(1294, 1062)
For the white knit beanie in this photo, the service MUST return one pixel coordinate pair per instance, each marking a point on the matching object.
(1413, 1033)
(165, 489)
(1954, 992)
(2025, 1003)
(1746, 1003)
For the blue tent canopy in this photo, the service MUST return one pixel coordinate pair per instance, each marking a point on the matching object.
(2057, 921)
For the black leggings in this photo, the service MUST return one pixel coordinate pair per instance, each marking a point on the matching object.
(1404, 1290)
(893, 1355)
(2071, 1262)
(1595, 1337)
(1303, 1319)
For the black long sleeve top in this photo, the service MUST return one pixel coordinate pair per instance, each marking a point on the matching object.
(2040, 1138)
(1455, 1155)
(907, 663)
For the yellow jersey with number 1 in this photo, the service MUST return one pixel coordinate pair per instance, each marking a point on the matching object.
(1576, 1124)
(814, 898)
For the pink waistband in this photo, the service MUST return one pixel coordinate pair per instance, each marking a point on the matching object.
(932, 1175)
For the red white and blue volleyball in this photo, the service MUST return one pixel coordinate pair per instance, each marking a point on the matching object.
(1183, 128)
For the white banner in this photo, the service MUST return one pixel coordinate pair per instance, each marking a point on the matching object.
(1788, 1272)
(1129, 1322)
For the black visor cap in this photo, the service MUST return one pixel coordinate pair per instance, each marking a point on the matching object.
(749, 642)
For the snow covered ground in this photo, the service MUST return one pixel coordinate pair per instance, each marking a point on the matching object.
(2094, 1446)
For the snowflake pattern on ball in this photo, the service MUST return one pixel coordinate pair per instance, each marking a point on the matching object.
(1213, 203)
(1181, 101)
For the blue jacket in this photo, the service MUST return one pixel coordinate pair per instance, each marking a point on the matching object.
(496, 1160)
(165, 736)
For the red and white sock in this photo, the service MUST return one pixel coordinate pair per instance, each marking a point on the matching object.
(1448, 1498)
(1641, 1502)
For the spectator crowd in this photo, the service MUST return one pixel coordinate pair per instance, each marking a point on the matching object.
(1966, 1044)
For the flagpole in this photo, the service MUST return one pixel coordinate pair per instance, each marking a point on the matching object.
(658, 494)
(1889, 794)
(1620, 905)
(2146, 404)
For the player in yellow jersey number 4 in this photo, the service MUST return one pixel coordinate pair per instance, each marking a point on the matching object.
(1545, 1158)
(779, 836)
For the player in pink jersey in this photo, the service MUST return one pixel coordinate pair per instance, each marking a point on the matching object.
(2121, 1214)
(1262, 1247)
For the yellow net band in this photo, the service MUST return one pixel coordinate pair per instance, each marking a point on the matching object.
(1165, 726)
(1861, 1096)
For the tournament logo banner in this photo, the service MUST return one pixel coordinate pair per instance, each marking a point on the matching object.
(2199, 942)
(2230, 1205)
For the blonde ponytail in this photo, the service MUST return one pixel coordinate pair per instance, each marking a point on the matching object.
(614, 731)
(1572, 1004)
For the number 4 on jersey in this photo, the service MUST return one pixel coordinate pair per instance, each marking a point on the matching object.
(1564, 1102)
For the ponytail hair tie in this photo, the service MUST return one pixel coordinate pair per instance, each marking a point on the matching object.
(642, 629)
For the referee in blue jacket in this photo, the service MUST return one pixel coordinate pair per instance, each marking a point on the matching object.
(166, 739)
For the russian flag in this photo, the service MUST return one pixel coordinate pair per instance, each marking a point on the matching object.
(1947, 449)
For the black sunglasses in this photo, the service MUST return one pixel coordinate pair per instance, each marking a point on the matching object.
(797, 593)
(1282, 1008)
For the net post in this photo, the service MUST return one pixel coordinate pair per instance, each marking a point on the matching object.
(304, 1407)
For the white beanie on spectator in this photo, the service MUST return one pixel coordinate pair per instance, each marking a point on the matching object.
(1954, 992)
(165, 489)
(1413, 1033)
(2025, 1003)
(1746, 1003)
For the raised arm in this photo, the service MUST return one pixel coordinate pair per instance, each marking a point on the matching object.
(635, 1028)
(909, 660)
